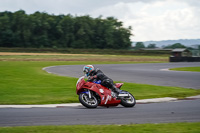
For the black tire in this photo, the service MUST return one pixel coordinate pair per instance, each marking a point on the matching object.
(128, 101)
(88, 102)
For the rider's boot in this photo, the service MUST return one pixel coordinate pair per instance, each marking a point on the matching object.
(116, 90)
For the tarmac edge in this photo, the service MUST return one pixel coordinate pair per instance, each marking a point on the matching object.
(143, 101)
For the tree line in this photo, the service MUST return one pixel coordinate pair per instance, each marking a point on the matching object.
(43, 30)
(140, 45)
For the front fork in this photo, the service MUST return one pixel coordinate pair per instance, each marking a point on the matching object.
(89, 94)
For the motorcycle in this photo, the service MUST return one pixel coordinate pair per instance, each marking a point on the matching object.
(93, 94)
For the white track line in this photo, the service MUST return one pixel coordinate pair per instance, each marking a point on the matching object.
(165, 99)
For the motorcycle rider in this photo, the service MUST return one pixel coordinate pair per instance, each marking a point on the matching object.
(97, 74)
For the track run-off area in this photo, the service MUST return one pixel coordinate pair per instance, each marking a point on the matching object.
(155, 74)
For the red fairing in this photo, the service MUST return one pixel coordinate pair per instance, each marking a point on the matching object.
(103, 92)
(119, 85)
(79, 85)
(105, 95)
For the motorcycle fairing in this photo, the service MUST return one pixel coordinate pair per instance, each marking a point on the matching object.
(103, 92)
(119, 85)
(105, 95)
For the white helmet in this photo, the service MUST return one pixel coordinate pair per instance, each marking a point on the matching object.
(88, 69)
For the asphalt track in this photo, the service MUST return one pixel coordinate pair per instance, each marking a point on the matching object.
(179, 111)
(176, 111)
(151, 73)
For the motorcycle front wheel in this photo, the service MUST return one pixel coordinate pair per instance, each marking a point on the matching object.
(128, 101)
(88, 102)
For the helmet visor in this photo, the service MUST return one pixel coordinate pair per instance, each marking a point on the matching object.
(85, 71)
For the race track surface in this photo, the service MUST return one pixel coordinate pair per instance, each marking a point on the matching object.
(151, 73)
(179, 111)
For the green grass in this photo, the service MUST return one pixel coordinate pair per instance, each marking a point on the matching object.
(24, 82)
(192, 69)
(134, 128)
(83, 57)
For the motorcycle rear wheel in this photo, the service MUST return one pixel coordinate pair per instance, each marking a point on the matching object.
(88, 102)
(128, 101)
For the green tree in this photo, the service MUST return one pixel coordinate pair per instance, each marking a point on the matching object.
(151, 46)
(6, 34)
(139, 45)
(176, 45)
(61, 31)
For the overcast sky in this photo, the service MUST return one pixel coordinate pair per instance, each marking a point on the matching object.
(150, 19)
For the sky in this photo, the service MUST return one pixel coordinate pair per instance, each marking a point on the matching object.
(151, 20)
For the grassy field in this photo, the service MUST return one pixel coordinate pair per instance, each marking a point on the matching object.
(24, 82)
(89, 51)
(191, 69)
(134, 128)
(8, 56)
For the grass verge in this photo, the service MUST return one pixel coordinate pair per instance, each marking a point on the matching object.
(24, 82)
(88, 51)
(133, 128)
(191, 69)
(8, 56)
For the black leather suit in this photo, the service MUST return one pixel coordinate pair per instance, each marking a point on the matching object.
(105, 81)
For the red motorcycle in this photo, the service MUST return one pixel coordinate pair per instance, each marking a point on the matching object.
(93, 94)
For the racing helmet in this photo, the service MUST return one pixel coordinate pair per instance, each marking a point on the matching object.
(88, 69)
